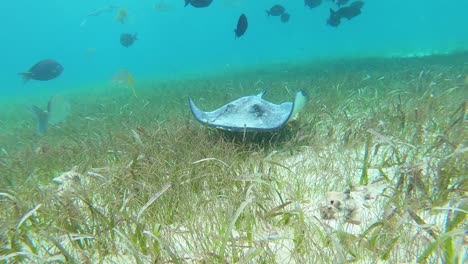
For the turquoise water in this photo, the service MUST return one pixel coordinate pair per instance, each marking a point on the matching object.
(177, 41)
(387, 106)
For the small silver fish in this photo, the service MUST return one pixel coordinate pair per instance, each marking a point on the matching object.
(98, 12)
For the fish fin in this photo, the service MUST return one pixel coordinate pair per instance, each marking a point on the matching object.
(26, 76)
(187, 2)
(268, 12)
(42, 119)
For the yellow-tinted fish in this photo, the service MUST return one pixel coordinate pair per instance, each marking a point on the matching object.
(121, 15)
(124, 78)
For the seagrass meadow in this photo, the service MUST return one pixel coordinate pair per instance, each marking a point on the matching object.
(137, 180)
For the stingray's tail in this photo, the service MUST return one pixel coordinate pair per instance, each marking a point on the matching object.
(42, 119)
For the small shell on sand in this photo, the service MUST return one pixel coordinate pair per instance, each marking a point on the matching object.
(348, 205)
(343, 205)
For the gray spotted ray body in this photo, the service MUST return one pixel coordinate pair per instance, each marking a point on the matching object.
(250, 113)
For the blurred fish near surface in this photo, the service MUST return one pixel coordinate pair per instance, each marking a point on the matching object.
(312, 3)
(276, 10)
(198, 3)
(122, 16)
(127, 39)
(348, 12)
(242, 26)
(98, 12)
(285, 17)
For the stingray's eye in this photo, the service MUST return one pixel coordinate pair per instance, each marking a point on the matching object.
(332, 202)
(258, 109)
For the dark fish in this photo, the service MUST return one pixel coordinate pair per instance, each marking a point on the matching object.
(242, 25)
(334, 20)
(43, 71)
(357, 5)
(198, 3)
(276, 10)
(352, 10)
(347, 12)
(127, 39)
(312, 3)
(285, 17)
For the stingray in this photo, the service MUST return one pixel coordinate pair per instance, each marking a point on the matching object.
(251, 113)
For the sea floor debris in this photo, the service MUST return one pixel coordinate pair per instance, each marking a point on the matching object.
(350, 205)
(386, 146)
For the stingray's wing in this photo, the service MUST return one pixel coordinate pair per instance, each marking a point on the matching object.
(58, 109)
(197, 113)
(216, 118)
(235, 117)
